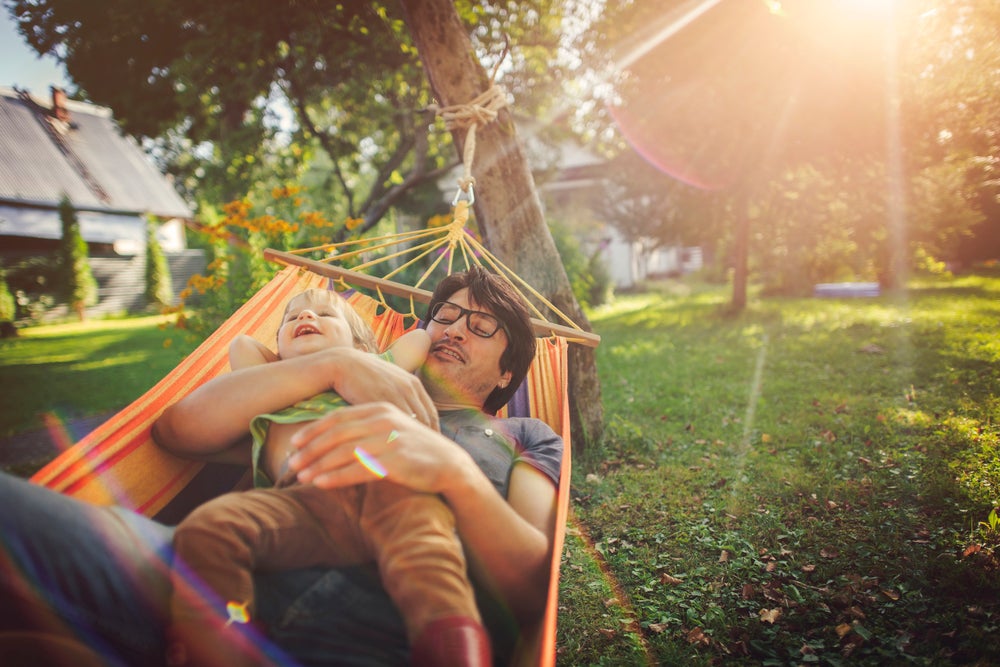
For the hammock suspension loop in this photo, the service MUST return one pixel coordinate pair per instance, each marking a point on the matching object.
(466, 188)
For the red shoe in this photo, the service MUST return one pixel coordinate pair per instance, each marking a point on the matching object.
(450, 642)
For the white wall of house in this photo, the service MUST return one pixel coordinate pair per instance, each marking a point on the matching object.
(126, 232)
(631, 262)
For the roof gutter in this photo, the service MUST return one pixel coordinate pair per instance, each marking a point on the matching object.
(52, 205)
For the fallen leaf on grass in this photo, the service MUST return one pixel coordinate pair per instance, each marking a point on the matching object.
(697, 636)
(747, 592)
(669, 579)
(724, 556)
(843, 629)
(829, 553)
(658, 628)
(809, 567)
(770, 615)
(892, 595)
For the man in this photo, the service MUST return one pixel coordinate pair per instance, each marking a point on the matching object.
(498, 476)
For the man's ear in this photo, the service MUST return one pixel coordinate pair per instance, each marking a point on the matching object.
(504, 380)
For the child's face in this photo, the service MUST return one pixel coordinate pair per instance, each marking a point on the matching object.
(311, 324)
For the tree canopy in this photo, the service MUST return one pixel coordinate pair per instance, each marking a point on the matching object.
(832, 134)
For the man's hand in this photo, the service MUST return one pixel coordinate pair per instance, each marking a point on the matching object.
(363, 443)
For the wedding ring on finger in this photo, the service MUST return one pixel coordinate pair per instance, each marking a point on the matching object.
(369, 462)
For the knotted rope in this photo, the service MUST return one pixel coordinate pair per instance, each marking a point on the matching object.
(480, 111)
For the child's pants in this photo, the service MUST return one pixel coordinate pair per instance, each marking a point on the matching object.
(409, 535)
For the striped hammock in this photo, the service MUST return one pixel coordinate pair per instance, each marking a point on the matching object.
(118, 463)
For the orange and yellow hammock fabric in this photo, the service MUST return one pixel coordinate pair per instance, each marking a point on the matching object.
(119, 464)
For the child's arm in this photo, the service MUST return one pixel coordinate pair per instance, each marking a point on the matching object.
(410, 350)
(245, 351)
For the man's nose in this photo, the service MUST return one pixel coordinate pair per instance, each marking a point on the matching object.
(458, 328)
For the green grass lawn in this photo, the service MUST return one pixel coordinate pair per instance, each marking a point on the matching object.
(83, 369)
(802, 483)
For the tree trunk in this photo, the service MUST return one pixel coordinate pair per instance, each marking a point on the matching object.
(507, 207)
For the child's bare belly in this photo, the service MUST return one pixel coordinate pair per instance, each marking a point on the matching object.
(278, 449)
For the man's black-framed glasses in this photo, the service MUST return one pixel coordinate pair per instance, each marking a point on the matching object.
(481, 324)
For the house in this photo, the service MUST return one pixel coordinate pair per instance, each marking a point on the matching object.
(56, 147)
(569, 178)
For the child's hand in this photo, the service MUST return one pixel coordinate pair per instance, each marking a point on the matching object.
(410, 350)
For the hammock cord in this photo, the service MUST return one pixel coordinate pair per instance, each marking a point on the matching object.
(452, 239)
(483, 110)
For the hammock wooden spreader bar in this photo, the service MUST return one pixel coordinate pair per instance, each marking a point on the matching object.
(541, 327)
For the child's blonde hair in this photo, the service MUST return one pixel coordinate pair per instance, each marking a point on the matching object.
(364, 337)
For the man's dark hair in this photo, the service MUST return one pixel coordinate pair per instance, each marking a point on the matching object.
(495, 294)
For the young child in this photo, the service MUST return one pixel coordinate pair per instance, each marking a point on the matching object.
(409, 535)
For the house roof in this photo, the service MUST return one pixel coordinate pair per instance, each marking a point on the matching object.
(85, 157)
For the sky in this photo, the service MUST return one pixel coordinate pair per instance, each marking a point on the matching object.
(20, 66)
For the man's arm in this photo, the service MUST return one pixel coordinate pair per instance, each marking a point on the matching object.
(508, 542)
(514, 567)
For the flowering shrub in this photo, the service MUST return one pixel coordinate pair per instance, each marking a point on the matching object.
(236, 242)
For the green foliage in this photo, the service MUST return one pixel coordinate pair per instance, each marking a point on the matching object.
(802, 157)
(35, 284)
(78, 285)
(573, 260)
(588, 276)
(206, 82)
(8, 307)
(990, 528)
(159, 289)
(601, 285)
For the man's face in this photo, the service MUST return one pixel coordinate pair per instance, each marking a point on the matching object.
(462, 367)
(310, 325)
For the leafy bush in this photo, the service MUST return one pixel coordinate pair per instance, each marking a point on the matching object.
(588, 276)
(601, 287)
(235, 240)
(159, 290)
(8, 307)
(77, 282)
(34, 282)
